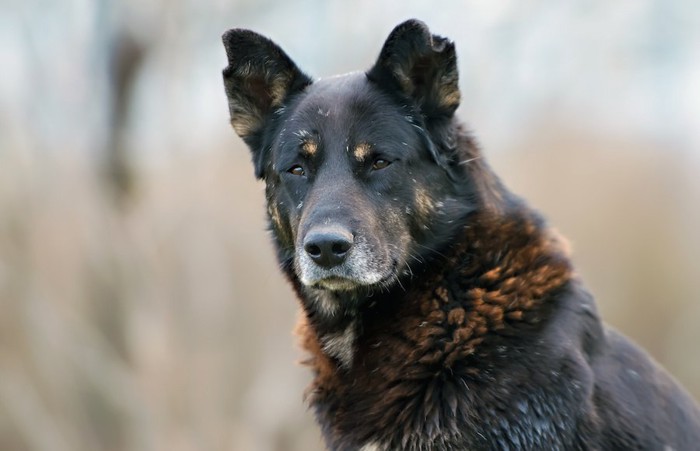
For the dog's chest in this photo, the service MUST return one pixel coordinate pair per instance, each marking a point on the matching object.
(438, 413)
(392, 390)
(436, 418)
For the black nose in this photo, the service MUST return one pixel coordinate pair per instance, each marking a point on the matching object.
(328, 247)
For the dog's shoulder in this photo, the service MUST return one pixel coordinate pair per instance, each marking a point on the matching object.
(639, 404)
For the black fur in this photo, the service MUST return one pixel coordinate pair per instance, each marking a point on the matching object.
(440, 311)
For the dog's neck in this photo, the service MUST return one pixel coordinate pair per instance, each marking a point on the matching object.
(460, 318)
(498, 275)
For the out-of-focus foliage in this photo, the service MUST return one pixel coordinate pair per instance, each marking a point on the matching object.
(141, 305)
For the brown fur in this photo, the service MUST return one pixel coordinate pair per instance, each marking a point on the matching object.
(515, 267)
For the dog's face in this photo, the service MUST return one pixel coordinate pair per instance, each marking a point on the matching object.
(348, 181)
(360, 171)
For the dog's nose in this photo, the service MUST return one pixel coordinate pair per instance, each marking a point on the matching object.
(328, 247)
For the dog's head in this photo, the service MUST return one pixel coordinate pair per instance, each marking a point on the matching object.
(363, 170)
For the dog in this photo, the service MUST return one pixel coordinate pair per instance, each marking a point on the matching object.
(440, 312)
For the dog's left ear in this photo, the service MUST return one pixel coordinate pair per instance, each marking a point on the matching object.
(422, 66)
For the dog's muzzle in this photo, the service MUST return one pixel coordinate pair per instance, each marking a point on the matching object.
(332, 257)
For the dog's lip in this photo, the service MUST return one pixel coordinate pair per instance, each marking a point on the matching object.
(339, 283)
(335, 283)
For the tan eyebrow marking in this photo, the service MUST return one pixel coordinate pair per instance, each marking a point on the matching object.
(362, 151)
(309, 147)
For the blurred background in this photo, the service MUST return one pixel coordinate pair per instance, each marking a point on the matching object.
(141, 304)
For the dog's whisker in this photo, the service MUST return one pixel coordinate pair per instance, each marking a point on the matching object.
(469, 160)
(432, 250)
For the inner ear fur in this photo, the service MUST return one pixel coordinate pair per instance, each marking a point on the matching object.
(421, 66)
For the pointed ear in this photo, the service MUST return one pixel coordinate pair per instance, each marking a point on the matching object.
(421, 66)
(258, 79)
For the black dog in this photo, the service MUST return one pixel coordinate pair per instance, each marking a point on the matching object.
(440, 311)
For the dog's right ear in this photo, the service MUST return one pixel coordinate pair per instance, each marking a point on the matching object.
(258, 79)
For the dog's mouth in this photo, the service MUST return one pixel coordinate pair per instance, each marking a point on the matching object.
(335, 283)
(365, 282)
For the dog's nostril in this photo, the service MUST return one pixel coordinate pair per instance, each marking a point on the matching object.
(340, 248)
(328, 247)
(313, 250)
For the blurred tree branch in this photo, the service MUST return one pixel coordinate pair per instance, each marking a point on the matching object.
(126, 58)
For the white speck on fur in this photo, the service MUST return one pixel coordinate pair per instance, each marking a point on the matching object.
(372, 446)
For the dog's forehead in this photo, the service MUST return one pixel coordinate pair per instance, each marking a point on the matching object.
(346, 107)
(340, 102)
(338, 91)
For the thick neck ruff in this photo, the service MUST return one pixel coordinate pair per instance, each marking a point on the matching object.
(449, 327)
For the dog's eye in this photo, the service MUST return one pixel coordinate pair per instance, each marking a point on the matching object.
(297, 170)
(380, 163)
